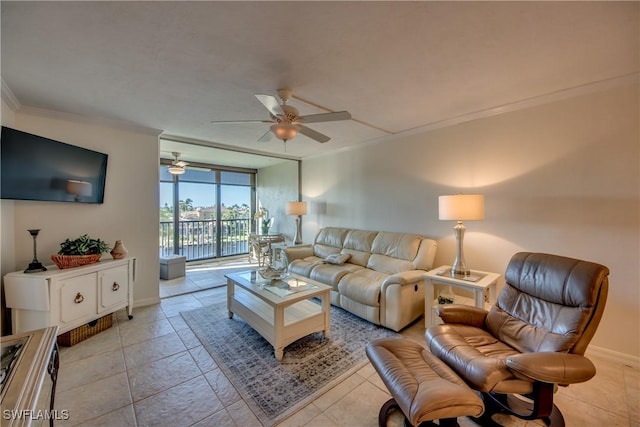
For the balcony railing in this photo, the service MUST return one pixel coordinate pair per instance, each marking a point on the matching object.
(198, 240)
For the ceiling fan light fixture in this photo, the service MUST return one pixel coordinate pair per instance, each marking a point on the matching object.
(176, 170)
(177, 166)
(285, 131)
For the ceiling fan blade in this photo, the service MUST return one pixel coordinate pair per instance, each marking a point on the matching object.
(268, 136)
(326, 117)
(181, 164)
(271, 103)
(320, 137)
(241, 121)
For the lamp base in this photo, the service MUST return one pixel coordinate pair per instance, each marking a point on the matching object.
(459, 267)
(297, 240)
(459, 271)
(35, 267)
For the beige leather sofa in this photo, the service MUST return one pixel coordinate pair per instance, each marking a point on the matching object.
(381, 279)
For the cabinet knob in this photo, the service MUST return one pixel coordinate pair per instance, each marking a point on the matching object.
(115, 286)
(79, 298)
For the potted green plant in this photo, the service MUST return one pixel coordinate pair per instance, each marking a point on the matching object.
(80, 251)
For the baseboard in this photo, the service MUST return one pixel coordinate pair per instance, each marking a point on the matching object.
(146, 301)
(613, 356)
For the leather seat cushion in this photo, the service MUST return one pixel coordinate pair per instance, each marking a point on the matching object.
(330, 274)
(304, 266)
(424, 387)
(363, 286)
(476, 356)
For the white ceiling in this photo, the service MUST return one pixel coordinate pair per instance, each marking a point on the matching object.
(395, 66)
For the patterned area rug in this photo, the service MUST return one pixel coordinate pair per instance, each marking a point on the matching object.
(312, 365)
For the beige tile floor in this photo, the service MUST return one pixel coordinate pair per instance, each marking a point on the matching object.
(152, 371)
(204, 276)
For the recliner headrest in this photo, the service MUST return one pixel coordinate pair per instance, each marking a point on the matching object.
(532, 272)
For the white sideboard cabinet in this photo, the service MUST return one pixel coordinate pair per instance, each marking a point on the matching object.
(71, 297)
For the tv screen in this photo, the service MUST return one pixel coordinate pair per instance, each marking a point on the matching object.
(37, 168)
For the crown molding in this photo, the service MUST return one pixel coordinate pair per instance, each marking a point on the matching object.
(182, 139)
(100, 121)
(560, 95)
(9, 97)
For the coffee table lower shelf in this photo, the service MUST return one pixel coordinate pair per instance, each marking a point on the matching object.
(281, 324)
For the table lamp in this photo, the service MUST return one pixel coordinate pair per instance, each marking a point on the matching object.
(35, 266)
(460, 207)
(297, 209)
(79, 189)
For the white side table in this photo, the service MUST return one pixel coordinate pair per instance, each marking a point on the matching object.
(477, 282)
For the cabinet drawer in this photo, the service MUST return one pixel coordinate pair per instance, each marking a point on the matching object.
(78, 297)
(113, 287)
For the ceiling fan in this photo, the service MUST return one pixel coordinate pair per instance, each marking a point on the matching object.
(177, 167)
(286, 121)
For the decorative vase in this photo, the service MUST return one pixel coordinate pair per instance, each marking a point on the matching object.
(265, 230)
(119, 251)
(278, 266)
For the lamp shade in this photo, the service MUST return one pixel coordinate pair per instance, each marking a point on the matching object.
(461, 207)
(296, 208)
(79, 188)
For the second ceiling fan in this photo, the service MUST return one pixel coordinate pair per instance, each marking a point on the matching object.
(286, 121)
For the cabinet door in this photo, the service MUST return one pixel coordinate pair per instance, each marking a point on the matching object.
(78, 297)
(114, 287)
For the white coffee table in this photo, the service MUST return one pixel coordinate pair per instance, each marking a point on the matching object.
(281, 311)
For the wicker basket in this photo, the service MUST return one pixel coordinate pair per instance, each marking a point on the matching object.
(83, 332)
(70, 261)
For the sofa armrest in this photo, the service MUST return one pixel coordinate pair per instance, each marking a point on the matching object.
(298, 252)
(551, 367)
(408, 277)
(462, 314)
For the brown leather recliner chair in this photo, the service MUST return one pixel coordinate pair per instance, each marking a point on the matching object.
(531, 341)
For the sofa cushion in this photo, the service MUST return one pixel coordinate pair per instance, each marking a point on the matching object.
(323, 251)
(329, 240)
(304, 266)
(363, 286)
(358, 245)
(337, 259)
(387, 264)
(330, 274)
(394, 252)
(397, 245)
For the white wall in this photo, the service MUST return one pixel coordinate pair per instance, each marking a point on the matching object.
(129, 212)
(559, 178)
(277, 185)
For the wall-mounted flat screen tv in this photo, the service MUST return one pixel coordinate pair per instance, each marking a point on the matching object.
(37, 168)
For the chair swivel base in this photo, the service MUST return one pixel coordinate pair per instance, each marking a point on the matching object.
(516, 406)
(391, 405)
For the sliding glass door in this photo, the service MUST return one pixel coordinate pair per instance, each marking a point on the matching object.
(206, 212)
